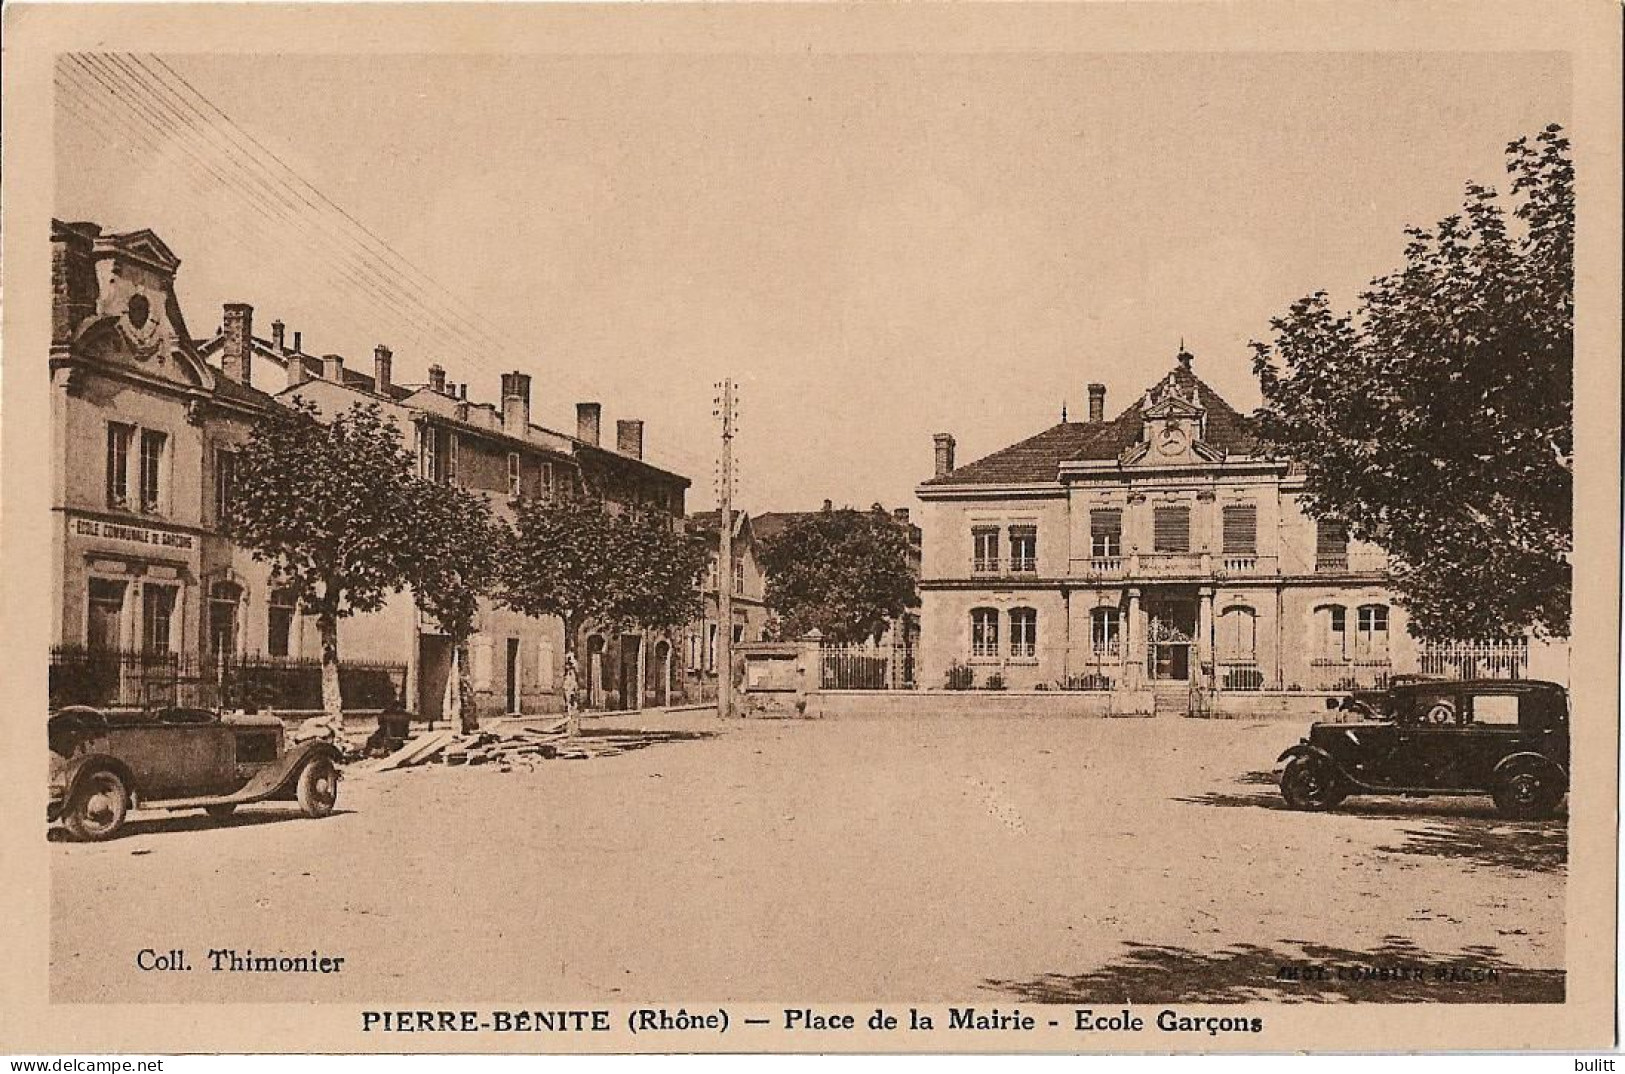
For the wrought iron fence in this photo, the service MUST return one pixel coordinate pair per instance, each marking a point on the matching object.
(1240, 675)
(139, 679)
(1476, 660)
(1350, 675)
(866, 667)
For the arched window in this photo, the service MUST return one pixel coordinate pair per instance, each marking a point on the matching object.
(1105, 631)
(984, 632)
(1371, 631)
(1331, 631)
(1024, 633)
(1238, 633)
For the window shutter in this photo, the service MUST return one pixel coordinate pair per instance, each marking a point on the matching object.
(1241, 529)
(1331, 538)
(1171, 529)
(1106, 524)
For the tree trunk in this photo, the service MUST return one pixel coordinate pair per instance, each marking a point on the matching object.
(327, 626)
(465, 687)
(572, 682)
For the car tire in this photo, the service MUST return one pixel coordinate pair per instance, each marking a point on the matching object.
(224, 809)
(1309, 783)
(1527, 793)
(99, 805)
(318, 787)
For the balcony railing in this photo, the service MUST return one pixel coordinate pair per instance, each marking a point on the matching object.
(1350, 562)
(1172, 564)
(1024, 565)
(985, 565)
(1240, 675)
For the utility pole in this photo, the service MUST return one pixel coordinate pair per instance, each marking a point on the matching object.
(725, 559)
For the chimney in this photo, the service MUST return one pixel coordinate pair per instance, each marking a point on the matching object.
(333, 368)
(515, 403)
(829, 505)
(629, 437)
(945, 452)
(73, 277)
(462, 391)
(278, 335)
(1097, 403)
(382, 362)
(297, 374)
(298, 343)
(437, 378)
(237, 355)
(588, 416)
(900, 514)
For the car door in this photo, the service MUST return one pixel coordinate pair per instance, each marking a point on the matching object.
(193, 759)
(1493, 728)
(1428, 752)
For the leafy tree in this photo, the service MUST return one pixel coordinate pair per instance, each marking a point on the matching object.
(843, 572)
(321, 502)
(460, 551)
(575, 559)
(1437, 419)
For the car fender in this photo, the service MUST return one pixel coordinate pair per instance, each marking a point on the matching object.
(1533, 759)
(81, 768)
(289, 765)
(1304, 749)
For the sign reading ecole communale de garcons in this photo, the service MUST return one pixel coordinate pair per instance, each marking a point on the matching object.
(88, 527)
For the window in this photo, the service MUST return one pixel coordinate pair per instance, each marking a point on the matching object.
(1238, 634)
(1331, 545)
(1023, 633)
(157, 611)
(279, 622)
(739, 633)
(739, 576)
(1105, 626)
(428, 464)
(1171, 529)
(152, 458)
(1493, 710)
(104, 628)
(1332, 623)
(1241, 530)
(451, 459)
(225, 482)
(984, 632)
(1024, 548)
(119, 438)
(710, 646)
(1106, 533)
(547, 479)
(513, 473)
(223, 598)
(985, 548)
(1371, 631)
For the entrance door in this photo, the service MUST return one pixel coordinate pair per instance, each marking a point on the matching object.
(1171, 633)
(631, 672)
(513, 676)
(663, 670)
(1171, 661)
(595, 672)
(434, 673)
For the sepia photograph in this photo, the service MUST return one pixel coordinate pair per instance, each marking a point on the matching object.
(760, 528)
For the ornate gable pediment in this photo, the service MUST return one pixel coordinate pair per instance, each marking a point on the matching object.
(1174, 421)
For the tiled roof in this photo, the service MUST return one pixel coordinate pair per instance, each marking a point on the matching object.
(1038, 458)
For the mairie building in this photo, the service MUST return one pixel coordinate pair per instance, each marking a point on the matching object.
(1160, 559)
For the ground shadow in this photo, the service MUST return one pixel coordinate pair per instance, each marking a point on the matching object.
(170, 823)
(1295, 971)
(1464, 828)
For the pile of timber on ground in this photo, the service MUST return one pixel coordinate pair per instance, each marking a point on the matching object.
(512, 747)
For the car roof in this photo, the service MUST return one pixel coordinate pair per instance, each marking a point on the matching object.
(1496, 685)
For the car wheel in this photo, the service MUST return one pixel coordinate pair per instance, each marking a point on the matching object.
(224, 809)
(1310, 783)
(98, 807)
(1527, 794)
(318, 787)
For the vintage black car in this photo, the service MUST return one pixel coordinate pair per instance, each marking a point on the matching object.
(104, 763)
(1509, 739)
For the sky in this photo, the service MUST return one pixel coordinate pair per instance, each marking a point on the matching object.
(875, 247)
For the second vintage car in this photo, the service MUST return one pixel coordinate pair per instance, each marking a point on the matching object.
(104, 763)
(1507, 739)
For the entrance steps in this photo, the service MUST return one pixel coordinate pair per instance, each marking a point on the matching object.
(1171, 698)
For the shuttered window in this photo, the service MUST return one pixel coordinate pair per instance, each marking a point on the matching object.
(1106, 532)
(1171, 529)
(1331, 538)
(1241, 530)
